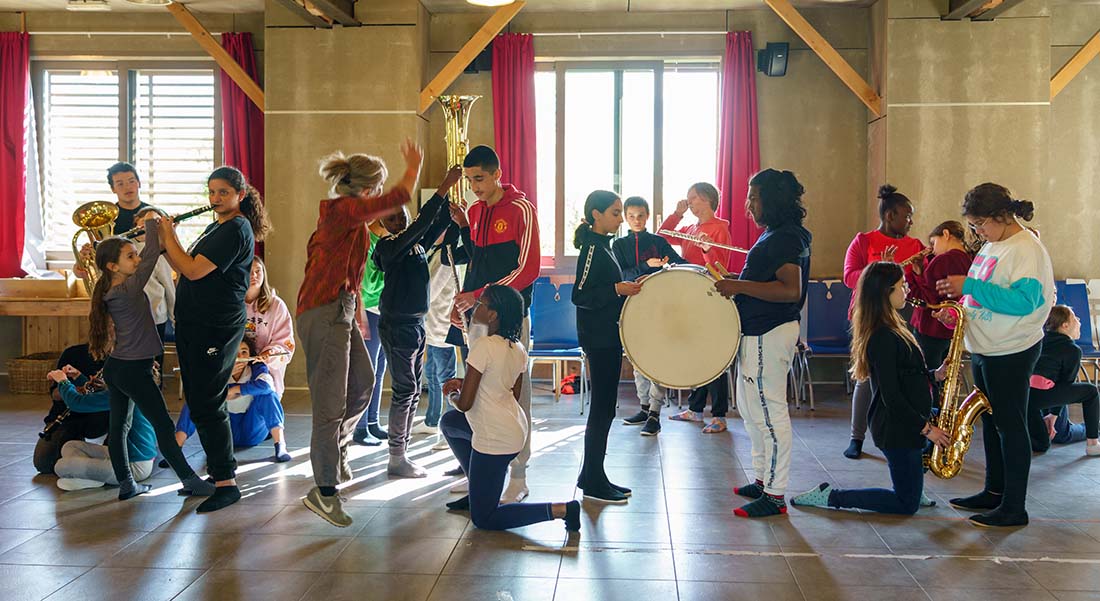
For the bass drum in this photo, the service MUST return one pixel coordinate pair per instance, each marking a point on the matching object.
(679, 331)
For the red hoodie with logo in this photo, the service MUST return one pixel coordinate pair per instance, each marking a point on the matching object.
(502, 244)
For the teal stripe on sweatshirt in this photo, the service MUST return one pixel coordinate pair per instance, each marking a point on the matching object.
(1024, 296)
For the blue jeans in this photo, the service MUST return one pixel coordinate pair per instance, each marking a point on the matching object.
(440, 367)
(378, 360)
(486, 475)
(907, 473)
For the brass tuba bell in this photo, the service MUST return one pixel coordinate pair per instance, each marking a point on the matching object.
(456, 119)
(97, 218)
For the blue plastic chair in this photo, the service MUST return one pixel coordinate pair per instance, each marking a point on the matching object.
(554, 332)
(1077, 297)
(827, 332)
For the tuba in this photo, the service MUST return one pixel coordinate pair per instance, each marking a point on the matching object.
(456, 121)
(956, 418)
(97, 218)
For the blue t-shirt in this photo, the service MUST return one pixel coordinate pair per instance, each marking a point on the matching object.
(775, 248)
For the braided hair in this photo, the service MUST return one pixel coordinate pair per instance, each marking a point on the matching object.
(508, 305)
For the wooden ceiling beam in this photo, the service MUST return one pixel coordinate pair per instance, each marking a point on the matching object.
(960, 9)
(996, 11)
(303, 13)
(340, 11)
(825, 50)
(484, 36)
(227, 64)
(1075, 65)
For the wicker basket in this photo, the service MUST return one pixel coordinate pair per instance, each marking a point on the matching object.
(27, 374)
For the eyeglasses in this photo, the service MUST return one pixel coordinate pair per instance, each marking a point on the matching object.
(974, 227)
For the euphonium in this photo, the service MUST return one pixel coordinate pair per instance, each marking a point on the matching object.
(956, 418)
(456, 121)
(97, 218)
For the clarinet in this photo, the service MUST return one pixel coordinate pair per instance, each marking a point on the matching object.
(140, 231)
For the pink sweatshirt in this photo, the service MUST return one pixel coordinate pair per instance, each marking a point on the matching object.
(272, 331)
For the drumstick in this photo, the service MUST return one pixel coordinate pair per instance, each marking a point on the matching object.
(714, 273)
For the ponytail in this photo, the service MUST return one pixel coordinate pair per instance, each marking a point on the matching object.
(598, 200)
(252, 207)
(101, 328)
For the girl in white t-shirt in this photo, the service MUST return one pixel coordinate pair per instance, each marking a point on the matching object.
(489, 428)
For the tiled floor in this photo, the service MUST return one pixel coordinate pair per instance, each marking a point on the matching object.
(676, 539)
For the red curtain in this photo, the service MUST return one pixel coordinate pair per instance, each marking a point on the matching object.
(514, 110)
(738, 141)
(242, 120)
(14, 93)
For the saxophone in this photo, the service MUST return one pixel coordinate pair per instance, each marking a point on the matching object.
(956, 418)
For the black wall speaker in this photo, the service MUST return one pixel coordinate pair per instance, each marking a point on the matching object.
(772, 60)
(483, 62)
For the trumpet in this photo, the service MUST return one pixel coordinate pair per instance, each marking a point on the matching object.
(699, 240)
(140, 231)
(913, 259)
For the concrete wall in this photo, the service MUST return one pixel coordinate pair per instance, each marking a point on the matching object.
(1072, 209)
(354, 90)
(809, 122)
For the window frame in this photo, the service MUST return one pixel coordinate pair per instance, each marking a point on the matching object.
(560, 263)
(123, 69)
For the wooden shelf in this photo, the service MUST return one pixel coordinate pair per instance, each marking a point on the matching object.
(44, 307)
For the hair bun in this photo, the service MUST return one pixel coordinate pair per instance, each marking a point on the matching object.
(886, 190)
(1024, 209)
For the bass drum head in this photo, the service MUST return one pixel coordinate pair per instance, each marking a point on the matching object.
(678, 331)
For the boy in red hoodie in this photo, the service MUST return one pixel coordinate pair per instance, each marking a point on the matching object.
(500, 239)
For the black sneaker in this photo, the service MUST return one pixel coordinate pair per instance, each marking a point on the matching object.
(999, 519)
(637, 419)
(854, 450)
(606, 495)
(377, 432)
(363, 437)
(652, 425)
(983, 501)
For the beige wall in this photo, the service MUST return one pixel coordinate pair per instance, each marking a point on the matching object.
(809, 122)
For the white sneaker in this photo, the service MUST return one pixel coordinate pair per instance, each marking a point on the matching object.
(440, 443)
(424, 428)
(1092, 450)
(77, 483)
(462, 487)
(516, 491)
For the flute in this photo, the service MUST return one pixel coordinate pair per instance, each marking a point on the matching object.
(699, 240)
(458, 287)
(140, 231)
(923, 253)
(257, 358)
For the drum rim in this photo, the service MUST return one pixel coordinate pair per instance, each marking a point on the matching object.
(725, 370)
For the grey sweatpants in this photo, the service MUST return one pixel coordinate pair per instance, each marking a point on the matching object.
(861, 405)
(90, 461)
(341, 378)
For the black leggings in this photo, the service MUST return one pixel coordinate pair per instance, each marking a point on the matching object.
(1064, 394)
(131, 383)
(1005, 380)
(206, 355)
(605, 365)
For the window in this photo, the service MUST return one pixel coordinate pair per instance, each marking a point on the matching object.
(644, 129)
(163, 120)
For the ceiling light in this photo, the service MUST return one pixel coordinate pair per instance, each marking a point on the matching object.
(151, 2)
(88, 5)
(490, 2)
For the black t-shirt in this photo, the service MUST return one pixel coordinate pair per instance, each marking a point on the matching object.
(775, 248)
(217, 298)
(125, 220)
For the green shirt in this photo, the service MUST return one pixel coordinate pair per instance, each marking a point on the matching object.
(371, 289)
